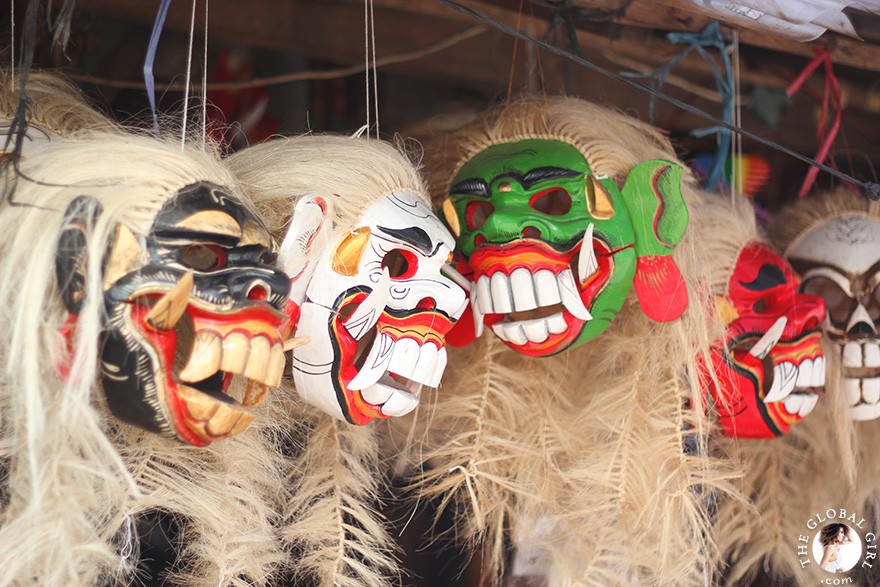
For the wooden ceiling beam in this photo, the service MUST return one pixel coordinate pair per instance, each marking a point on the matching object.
(676, 15)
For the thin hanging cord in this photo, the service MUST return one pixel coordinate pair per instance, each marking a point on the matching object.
(189, 60)
(150, 58)
(872, 190)
(205, 84)
(375, 68)
(367, 61)
(736, 161)
(12, 39)
(515, 47)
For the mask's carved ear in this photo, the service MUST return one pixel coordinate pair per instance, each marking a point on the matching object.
(309, 232)
(70, 256)
(652, 194)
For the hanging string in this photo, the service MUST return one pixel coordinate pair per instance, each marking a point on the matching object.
(709, 37)
(12, 41)
(519, 14)
(824, 137)
(871, 189)
(367, 60)
(151, 58)
(18, 126)
(188, 77)
(737, 163)
(565, 16)
(205, 84)
(375, 68)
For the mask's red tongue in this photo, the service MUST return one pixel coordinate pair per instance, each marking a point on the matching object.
(660, 288)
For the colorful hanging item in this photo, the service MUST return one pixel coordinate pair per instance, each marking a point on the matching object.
(771, 368)
(838, 256)
(553, 248)
(368, 287)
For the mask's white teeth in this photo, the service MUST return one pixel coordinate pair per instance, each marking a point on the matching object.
(523, 289)
(236, 348)
(502, 298)
(819, 372)
(872, 354)
(546, 288)
(275, 370)
(404, 358)
(392, 402)
(784, 379)
(794, 403)
(571, 299)
(587, 263)
(511, 332)
(258, 360)
(401, 403)
(424, 371)
(853, 390)
(808, 404)
(219, 418)
(375, 364)
(852, 355)
(228, 420)
(205, 358)
(484, 294)
(255, 393)
(760, 349)
(367, 313)
(804, 374)
(439, 368)
(871, 390)
(170, 309)
(477, 310)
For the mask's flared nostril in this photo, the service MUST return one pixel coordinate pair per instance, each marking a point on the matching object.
(258, 291)
(861, 330)
(531, 232)
(427, 303)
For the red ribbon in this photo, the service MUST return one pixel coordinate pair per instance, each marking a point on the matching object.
(831, 98)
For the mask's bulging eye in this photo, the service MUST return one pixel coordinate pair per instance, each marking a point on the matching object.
(477, 213)
(552, 202)
(401, 264)
(203, 257)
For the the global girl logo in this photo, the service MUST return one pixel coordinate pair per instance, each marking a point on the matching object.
(837, 541)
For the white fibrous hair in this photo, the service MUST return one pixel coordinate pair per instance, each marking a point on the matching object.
(75, 478)
(597, 458)
(352, 172)
(56, 105)
(330, 517)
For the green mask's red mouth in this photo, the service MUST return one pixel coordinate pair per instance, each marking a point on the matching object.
(535, 298)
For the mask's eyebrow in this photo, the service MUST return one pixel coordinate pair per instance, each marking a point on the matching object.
(768, 276)
(539, 174)
(414, 236)
(474, 186)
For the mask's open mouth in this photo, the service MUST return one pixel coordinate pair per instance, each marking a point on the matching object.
(796, 385)
(541, 299)
(216, 364)
(394, 363)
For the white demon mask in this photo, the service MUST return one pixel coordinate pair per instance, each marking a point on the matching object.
(839, 259)
(373, 302)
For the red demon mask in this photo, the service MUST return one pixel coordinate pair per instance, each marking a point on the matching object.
(771, 366)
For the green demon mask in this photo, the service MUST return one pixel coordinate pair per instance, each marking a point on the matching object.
(553, 249)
